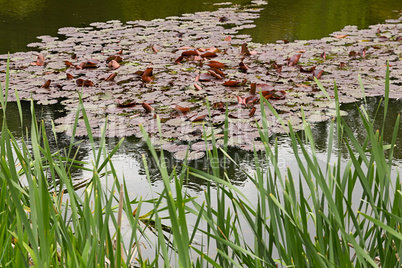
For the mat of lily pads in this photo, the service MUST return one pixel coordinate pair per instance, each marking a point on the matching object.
(130, 73)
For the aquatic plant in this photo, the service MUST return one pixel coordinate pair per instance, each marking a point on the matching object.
(332, 215)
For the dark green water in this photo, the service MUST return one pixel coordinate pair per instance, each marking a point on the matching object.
(22, 20)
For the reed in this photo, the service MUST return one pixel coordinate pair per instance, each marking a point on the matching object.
(341, 214)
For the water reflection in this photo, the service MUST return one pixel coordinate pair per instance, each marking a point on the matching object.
(128, 160)
(45, 115)
(21, 21)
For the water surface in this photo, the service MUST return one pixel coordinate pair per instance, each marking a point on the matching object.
(21, 21)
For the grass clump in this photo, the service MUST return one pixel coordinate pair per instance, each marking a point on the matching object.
(331, 213)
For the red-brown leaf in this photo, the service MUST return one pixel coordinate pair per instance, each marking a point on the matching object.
(228, 38)
(294, 60)
(307, 70)
(342, 65)
(93, 63)
(114, 64)
(323, 55)
(209, 55)
(179, 60)
(146, 79)
(154, 49)
(40, 61)
(181, 109)
(240, 100)
(197, 87)
(147, 107)
(46, 84)
(318, 73)
(216, 64)
(253, 88)
(244, 50)
(251, 100)
(114, 57)
(187, 53)
(243, 66)
(88, 83)
(231, 83)
(267, 93)
(218, 72)
(219, 105)
(148, 71)
(214, 74)
(252, 112)
(198, 118)
(339, 36)
(68, 63)
(69, 76)
(111, 77)
(279, 95)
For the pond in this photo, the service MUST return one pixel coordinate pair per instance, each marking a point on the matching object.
(23, 21)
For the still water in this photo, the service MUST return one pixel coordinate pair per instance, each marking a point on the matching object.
(21, 21)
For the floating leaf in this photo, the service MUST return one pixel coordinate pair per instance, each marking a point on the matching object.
(86, 83)
(179, 60)
(154, 49)
(215, 64)
(198, 118)
(223, 19)
(217, 71)
(252, 112)
(194, 52)
(148, 71)
(115, 58)
(147, 107)
(219, 105)
(181, 109)
(93, 63)
(40, 61)
(228, 38)
(46, 84)
(243, 66)
(146, 79)
(111, 77)
(307, 70)
(340, 36)
(68, 63)
(113, 64)
(214, 74)
(191, 156)
(126, 103)
(240, 100)
(253, 88)
(279, 95)
(244, 50)
(231, 83)
(205, 77)
(294, 60)
(197, 87)
(209, 55)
